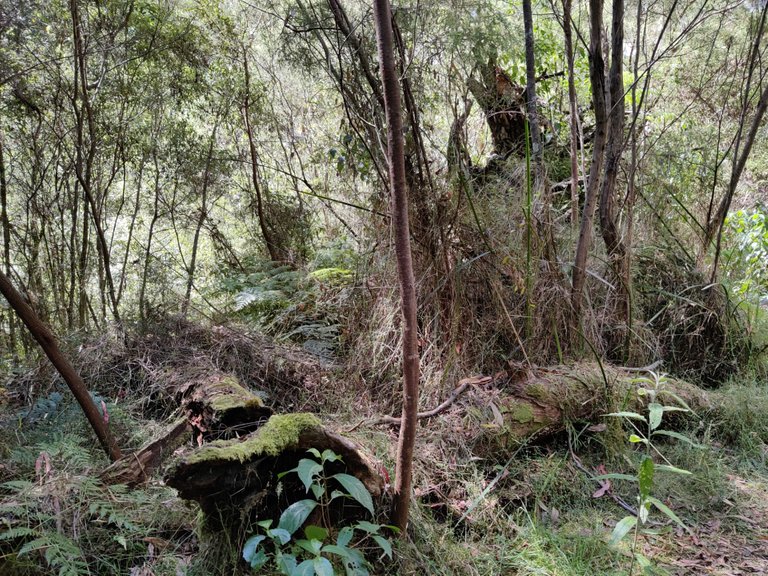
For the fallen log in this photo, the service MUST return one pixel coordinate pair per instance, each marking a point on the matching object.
(540, 402)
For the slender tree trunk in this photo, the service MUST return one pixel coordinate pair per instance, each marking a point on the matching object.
(150, 234)
(5, 223)
(266, 234)
(47, 342)
(574, 110)
(597, 79)
(399, 194)
(84, 165)
(530, 87)
(611, 235)
(200, 221)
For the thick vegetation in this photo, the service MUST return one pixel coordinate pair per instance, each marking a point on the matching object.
(213, 211)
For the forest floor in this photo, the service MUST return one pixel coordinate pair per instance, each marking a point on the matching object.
(536, 510)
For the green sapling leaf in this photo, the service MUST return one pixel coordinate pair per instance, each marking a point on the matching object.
(296, 514)
(356, 490)
(621, 529)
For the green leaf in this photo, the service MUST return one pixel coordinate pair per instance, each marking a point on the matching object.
(317, 491)
(634, 438)
(323, 567)
(673, 469)
(655, 412)
(315, 452)
(356, 490)
(316, 533)
(345, 536)
(621, 529)
(307, 470)
(630, 415)
(286, 563)
(627, 477)
(369, 527)
(678, 436)
(280, 534)
(330, 456)
(311, 546)
(250, 546)
(259, 559)
(384, 544)
(668, 512)
(645, 477)
(296, 514)
(342, 551)
(676, 398)
(306, 568)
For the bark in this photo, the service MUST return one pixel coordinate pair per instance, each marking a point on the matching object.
(150, 235)
(597, 80)
(614, 243)
(530, 87)
(503, 103)
(233, 480)
(399, 195)
(84, 164)
(47, 342)
(574, 112)
(6, 226)
(275, 254)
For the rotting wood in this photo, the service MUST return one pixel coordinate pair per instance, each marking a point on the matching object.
(236, 478)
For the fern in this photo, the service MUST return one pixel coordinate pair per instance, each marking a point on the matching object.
(17, 532)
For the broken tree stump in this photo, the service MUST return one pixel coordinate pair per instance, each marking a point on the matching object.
(235, 481)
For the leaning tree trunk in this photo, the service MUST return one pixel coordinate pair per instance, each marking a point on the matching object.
(399, 193)
(47, 342)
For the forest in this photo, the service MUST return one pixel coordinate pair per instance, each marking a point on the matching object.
(321, 287)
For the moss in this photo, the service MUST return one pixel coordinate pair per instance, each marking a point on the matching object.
(228, 394)
(522, 413)
(538, 392)
(280, 433)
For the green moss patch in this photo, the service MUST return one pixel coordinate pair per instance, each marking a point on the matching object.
(280, 433)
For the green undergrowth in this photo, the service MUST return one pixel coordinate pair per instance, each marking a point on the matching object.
(533, 512)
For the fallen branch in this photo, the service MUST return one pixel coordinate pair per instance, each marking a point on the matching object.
(442, 407)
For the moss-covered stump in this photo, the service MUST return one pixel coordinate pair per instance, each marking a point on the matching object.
(541, 402)
(235, 481)
(218, 407)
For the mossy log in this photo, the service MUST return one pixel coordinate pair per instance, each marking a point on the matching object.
(215, 406)
(236, 480)
(540, 402)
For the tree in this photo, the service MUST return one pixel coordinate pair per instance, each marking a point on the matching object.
(47, 342)
(401, 232)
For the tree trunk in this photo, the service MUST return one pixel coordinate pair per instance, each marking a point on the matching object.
(274, 251)
(597, 80)
(5, 223)
(200, 221)
(530, 88)
(614, 244)
(574, 111)
(399, 195)
(47, 342)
